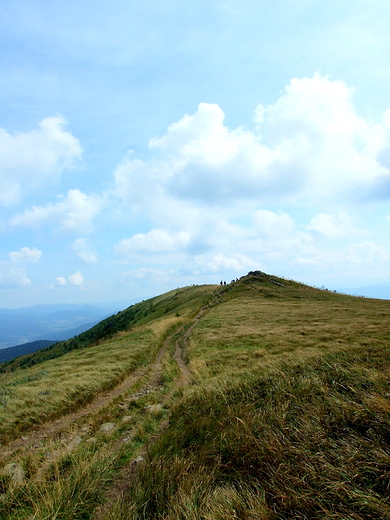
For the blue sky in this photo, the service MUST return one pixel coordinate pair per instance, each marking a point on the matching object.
(151, 145)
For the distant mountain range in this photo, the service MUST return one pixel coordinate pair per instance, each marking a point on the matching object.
(372, 291)
(6, 354)
(54, 322)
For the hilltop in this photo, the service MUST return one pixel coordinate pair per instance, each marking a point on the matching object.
(261, 399)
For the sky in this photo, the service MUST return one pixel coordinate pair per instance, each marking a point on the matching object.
(151, 145)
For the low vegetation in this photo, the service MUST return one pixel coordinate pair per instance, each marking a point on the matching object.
(306, 440)
(30, 395)
(287, 415)
(181, 302)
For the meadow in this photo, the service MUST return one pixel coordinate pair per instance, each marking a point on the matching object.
(286, 415)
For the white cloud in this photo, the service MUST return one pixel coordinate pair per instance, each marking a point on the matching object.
(29, 158)
(12, 276)
(321, 259)
(334, 226)
(12, 272)
(148, 273)
(199, 158)
(366, 255)
(272, 225)
(76, 279)
(74, 212)
(156, 241)
(202, 184)
(26, 255)
(219, 263)
(84, 252)
(310, 145)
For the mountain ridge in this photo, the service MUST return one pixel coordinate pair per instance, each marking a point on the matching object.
(260, 399)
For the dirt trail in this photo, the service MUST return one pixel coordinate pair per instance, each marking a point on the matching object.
(180, 344)
(123, 480)
(153, 375)
(185, 373)
(32, 437)
(49, 429)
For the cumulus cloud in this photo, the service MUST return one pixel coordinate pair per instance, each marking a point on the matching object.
(76, 279)
(26, 255)
(213, 193)
(29, 158)
(219, 263)
(84, 252)
(156, 241)
(74, 212)
(12, 276)
(73, 279)
(364, 254)
(311, 145)
(13, 271)
(198, 158)
(272, 225)
(334, 226)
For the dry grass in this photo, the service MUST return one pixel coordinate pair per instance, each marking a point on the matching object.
(31, 396)
(69, 489)
(34, 395)
(288, 415)
(248, 332)
(162, 326)
(65, 476)
(64, 480)
(310, 437)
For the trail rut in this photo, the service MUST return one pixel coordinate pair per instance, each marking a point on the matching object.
(31, 438)
(123, 480)
(71, 433)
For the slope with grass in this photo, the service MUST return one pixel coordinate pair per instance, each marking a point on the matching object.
(53, 381)
(263, 399)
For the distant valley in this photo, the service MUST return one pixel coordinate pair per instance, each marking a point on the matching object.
(54, 322)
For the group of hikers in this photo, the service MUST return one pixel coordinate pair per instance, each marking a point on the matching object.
(224, 283)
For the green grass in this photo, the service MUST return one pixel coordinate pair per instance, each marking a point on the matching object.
(48, 390)
(313, 437)
(287, 415)
(71, 488)
(183, 302)
(33, 393)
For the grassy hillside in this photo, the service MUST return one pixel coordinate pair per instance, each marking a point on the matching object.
(286, 415)
(55, 380)
(138, 314)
